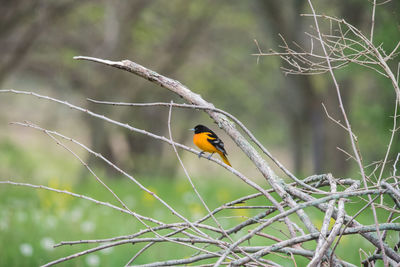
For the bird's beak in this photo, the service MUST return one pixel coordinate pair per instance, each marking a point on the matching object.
(191, 129)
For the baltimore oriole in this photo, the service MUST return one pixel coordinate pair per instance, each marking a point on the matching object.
(208, 141)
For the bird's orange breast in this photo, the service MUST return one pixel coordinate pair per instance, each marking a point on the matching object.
(200, 140)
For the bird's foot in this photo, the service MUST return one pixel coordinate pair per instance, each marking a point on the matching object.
(209, 157)
(201, 154)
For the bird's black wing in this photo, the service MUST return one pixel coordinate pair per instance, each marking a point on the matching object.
(215, 141)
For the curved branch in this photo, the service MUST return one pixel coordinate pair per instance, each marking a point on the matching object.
(237, 121)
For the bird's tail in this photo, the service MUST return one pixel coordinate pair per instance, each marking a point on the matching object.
(224, 158)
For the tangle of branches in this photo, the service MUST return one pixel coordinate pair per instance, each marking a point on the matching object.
(207, 237)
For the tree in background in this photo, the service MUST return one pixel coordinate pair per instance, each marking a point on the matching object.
(183, 39)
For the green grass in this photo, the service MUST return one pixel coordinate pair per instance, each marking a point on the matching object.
(38, 217)
(33, 217)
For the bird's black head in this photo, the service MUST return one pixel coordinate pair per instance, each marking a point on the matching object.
(200, 129)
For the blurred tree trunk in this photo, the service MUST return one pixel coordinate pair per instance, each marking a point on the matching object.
(303, 98)
(176, 49)
(21, 24)
(299, 100)
(119, 19)
(354, 12)
(118, 42)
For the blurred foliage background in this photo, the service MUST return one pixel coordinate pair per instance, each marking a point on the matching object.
(206, 45)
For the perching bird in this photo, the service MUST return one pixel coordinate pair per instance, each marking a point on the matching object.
(208, 141)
